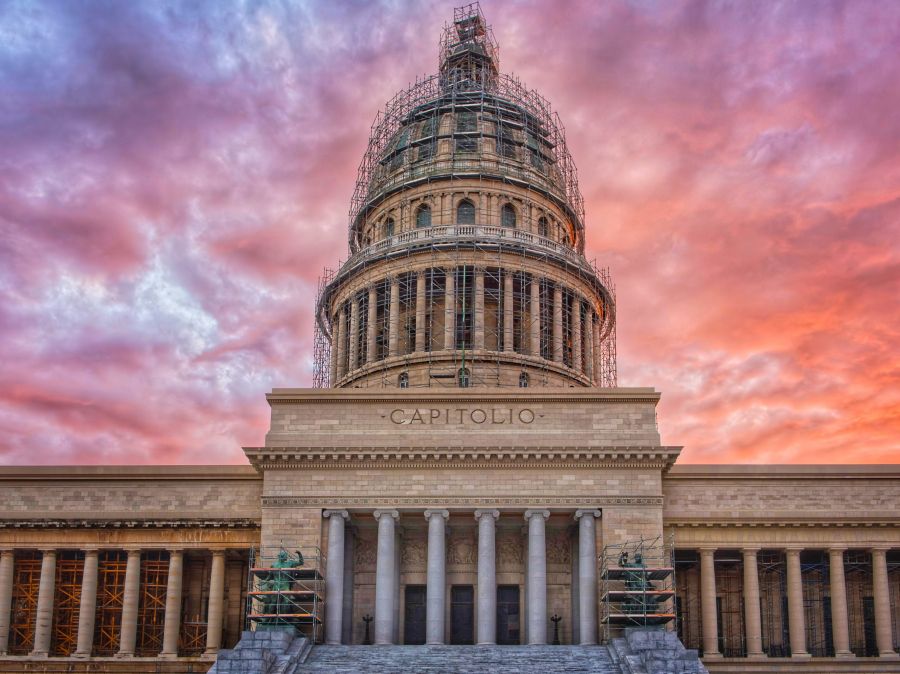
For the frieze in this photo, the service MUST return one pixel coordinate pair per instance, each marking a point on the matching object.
(130, 524)
(559, 547)
(462, 550)
(453, 501)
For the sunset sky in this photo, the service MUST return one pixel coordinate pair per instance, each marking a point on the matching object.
(174, 176)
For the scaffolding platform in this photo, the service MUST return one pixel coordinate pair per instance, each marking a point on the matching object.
(286, 588)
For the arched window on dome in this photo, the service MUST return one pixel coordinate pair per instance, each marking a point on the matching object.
(523, 380)
(465, 213)
(389, 227)
(462, 376)
(508, 216)
(543, 227)
(423, 216)
(403, 380)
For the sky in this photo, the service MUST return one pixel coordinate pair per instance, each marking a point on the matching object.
(174, 176)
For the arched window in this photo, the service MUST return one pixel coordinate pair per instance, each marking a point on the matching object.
(523, 380)
(463, 377)
(508, 216)
(543, 228)
(389, 227)
(403, 380)
(423, 216)
(465, 213)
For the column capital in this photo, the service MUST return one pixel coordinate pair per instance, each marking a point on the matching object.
(484, 513)
(47, 551)
(880, 549)
(707, 550)
(750, 550)
(837, 549)
(793, 550)
(217, 553)
(536, 513)
(336, 513)
(132, 551)
(442, 513)
(175, 551)
(580, 513)
(90, 550)
(386, 513)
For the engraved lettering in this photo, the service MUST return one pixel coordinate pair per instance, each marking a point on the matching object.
(482, 413)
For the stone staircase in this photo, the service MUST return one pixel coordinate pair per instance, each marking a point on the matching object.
(458, 659)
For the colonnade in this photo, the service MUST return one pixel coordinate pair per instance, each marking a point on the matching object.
(131, 597)
(387, 573)
(797, 629)
(574, 329)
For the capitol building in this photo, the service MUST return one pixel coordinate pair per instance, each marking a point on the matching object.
(466, 476)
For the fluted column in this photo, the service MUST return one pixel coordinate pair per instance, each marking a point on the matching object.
(341, 332)
(882, 597)
(131, 596)
(478, 342)
(7, 562)
(487, 576)
(87, 607)
(43, 623)
(334, 576)
(394, 319)
(708, 617)
(216, 603)
(172, 624)
(385, 579)
(535, 327)
(796, 619)
(536, 589)
(508, 316)
(557, 323)
(752, 618)
(576, 334)
(370, 324)
(436, 578)
(839, 618)
(353, 347)
(587, 575)
(450, 309)
(420, 310)
(589, 345)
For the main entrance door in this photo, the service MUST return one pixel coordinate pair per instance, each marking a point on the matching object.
(414, 616)
(462, 614)
(508, 614)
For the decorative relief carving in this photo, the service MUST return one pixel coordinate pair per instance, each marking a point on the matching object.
(413, 554)
(559, 547)
(463, 549)
(510, 554)
(365, 553)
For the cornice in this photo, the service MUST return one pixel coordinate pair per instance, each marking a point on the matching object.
(779, 522)
(128, 473)
(80, 523)
(658, 457)
(457, 501)
(818, 472)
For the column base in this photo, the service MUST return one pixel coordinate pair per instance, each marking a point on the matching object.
(39, 654)
(757, 656)
(211, 654)
(889, 655)
(801, 656)
(844, 655)
(712, 656)
(81, 655)
(124, 655)
(167, 656)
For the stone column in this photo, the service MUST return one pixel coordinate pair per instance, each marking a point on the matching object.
(796, 619)
(334, 576)
(752, 619)
(353, 347)
(172, 624)
(394, 319)
(487, 577)
(589, 345)
(436, 577)
(341, 332)
(536, 588)
(450, 309)
(882, 597)
(535, 318)
(587, 576)
(420, 310)
(508, 316)
(598, 370)
(216, 603)
(87, 606)
(43, 623)
(131, 597)
(385, 579)
(708, 618)
(478, 341)
(370, 325)
(839, 619)
(576, 334)
(7, 562)
(557, 323)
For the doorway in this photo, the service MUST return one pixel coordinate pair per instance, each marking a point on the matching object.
(414, 615)
(508, 622)
(462, 614)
